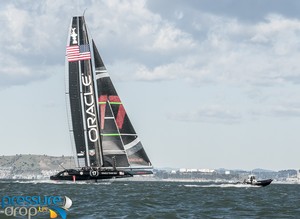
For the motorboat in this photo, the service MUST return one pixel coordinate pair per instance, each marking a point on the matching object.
(252, 181)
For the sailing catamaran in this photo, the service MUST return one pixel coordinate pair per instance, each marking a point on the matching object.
(104, 141)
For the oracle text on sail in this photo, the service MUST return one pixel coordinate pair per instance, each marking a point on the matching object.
(90, 109)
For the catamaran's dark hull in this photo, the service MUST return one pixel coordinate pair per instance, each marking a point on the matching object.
(260, 182)
(81, 174)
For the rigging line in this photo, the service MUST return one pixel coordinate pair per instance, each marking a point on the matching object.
(62, 166)
(84, 12)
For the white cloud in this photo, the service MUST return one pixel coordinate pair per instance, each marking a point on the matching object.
(167, 38)
(31, 41)
(164, 72)
(284, 105)
(16, 22)
(258, 53)
(213, 48)
(209, 114)
(286, 111)
(131, 24)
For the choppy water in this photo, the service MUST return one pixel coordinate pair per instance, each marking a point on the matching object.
(130, 199)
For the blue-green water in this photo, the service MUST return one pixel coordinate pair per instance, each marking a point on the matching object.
(132, 199)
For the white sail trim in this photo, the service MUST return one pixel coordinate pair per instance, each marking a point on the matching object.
(100, 71)
(101, 75)
(132, 144)
(106, 152)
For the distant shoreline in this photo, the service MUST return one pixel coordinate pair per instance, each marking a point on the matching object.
(41, 167)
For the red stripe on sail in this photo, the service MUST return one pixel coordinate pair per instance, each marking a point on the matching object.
(121, 116)
(114, 99)
(102, 98)
(121, 111)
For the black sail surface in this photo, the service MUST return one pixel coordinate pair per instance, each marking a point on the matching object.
(94, 106)
(111, 110)
(81, 97)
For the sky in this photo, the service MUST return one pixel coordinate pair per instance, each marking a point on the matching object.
(206, 84)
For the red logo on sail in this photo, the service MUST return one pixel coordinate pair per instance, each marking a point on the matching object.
(113, 100)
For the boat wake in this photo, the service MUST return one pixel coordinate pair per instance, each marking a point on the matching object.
(59, 182)
(222, 186)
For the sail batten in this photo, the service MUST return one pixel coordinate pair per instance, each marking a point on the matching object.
(105, 152)
(100, 72)
(100, 129)
(103, 75)
(132, 144)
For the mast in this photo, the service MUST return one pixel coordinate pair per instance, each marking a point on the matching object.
(81, 95)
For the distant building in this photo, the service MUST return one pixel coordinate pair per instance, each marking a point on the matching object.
(206, 170)
(184, 170)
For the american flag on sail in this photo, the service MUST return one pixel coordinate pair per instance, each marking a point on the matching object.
(78, 52)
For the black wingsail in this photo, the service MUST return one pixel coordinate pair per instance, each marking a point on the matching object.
(121, 145)
(80, 91)
(101, 132)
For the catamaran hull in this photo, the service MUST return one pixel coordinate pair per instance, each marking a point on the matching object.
(74, 175)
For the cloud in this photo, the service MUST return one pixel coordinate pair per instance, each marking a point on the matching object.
(209, 114)
(213, 49)
(167, 38)
(31, 42)
(124, 30)
(194, 46)
(284, 109)
(264, 53)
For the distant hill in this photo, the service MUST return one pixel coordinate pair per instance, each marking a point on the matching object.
(258, 170)
(21, 163)
(28, 166)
